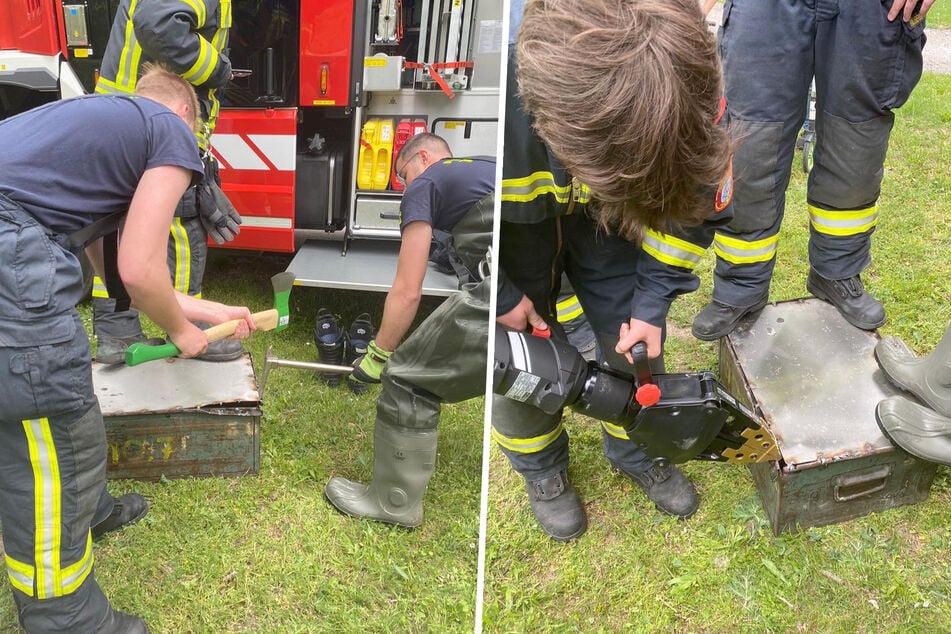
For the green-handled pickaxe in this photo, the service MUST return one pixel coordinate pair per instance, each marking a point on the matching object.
(274, 319)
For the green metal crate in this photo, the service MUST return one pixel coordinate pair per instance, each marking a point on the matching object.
(814, 380)
(180, 418)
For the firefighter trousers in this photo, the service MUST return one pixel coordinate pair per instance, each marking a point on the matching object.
(602, 269)
(864, 67)
(52, 437)
(443, 361)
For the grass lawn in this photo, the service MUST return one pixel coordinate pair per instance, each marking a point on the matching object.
(724, 570)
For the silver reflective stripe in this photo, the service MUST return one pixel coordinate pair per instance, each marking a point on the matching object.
(671, 250)
(744, 252)
(843, 223)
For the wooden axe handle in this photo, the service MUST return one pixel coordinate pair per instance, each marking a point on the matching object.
(264, 320)
(141, 353)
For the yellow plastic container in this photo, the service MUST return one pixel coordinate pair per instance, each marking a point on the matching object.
(376, 152)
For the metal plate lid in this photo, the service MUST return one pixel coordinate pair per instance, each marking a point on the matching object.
(172, 385)
(815, 379)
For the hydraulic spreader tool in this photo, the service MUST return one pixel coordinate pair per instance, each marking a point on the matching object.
(672, 417)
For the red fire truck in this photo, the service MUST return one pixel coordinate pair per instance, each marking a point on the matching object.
(307, 140)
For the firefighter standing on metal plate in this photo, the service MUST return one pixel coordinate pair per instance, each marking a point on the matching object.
(866, 59)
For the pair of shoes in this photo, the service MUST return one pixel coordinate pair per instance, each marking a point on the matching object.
(850, 298)
(331, 343)
(111, 350)
(717, 320)
(667, 487)
(336, 347)
(128, 509)
(557, 507)
(221, 350)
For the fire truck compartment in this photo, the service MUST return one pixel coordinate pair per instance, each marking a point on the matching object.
(363, 265)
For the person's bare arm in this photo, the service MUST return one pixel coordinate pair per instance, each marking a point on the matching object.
(142, 255)
(402, 301)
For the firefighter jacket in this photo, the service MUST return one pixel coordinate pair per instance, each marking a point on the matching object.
(536, 187)
(188, 36)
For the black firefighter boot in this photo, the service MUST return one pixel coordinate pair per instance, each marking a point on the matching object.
(667, 487)
(557, 507)
(928, 378)
(403, 461)
(330, 342)
(918, 430)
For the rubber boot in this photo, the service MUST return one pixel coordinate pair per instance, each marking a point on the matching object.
(918, 430)
(403, 462)
(358, 338)
(928, 378)
(330, 343)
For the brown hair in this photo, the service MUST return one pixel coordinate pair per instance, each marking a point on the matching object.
(625, 93)
(166, 87)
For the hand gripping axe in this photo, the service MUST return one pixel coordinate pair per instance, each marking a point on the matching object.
(275, 319)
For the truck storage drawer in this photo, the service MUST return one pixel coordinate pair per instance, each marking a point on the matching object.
(814, 379)
(180, 418)
(375, 213)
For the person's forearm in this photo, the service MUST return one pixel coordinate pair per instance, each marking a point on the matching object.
(152, 293)
(399, 311)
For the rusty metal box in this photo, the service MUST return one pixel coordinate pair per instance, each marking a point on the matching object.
(180, 418)
(813, 378)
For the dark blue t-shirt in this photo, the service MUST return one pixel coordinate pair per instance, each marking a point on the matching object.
(73, 161)
(446, 190)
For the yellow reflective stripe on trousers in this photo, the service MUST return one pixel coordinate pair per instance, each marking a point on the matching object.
(73, 576)
(183, 256)
(528, 445)
(540, 184)
(843, 223)
(568, 309)
(99, 288)
(670, 250)
(745, 252)
(201, 70)
(51, 579)
(21, 575)
(47, 501)
(615, 430)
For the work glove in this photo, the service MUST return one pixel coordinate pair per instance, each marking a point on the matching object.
(218, 216)
(367, 368)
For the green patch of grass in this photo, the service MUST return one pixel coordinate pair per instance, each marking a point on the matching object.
(724, 570)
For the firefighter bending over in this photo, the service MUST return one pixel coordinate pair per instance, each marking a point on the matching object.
(618, 183)
(443, 361)
(52, 436)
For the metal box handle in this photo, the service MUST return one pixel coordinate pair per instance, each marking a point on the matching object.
(851, 487)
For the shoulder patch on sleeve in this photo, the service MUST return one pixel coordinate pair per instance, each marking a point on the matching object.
(725, 190)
